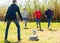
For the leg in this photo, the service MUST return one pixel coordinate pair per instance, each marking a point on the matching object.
(49, 20)
(7, 27)
(25, 25)
(40, 26)
(18, 26)
(25, 19)
(37, 23)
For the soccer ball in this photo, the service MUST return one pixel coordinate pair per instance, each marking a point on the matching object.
(34, 32)
(34, 37)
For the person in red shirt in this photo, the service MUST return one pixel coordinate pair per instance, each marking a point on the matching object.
(37, 14)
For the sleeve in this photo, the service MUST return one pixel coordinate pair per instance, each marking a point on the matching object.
(45, 12)
(19, 13)
(5, 18)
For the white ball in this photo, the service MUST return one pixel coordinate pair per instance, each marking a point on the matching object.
(34, 32)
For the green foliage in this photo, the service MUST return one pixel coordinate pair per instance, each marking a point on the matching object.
(31, 5)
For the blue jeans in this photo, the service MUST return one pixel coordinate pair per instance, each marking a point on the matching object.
(49, 20)
(7, 27)
(25, 19)
(38, 22)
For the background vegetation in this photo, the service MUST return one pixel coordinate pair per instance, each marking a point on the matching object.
(31, 5)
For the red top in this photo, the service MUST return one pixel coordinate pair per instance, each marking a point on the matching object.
(37, 14)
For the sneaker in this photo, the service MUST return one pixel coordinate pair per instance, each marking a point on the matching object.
(41, 29)
(37, 26)
(6, 41)
(19, 40)
(50, 29)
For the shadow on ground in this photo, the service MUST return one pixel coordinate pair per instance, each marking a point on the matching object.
(10, 42)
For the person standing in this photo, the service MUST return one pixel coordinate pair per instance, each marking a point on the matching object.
(25, 16)
(37, 14)
(11, 16)
(49, 14)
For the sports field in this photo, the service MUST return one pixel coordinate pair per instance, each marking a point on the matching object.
(44, 37)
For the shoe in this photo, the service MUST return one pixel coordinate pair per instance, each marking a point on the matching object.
(50, 29)
(6, 41)
(19, 40)
(41, 29)
(37, 26)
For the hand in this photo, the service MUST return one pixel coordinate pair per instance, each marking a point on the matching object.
(23, 21)
(45, 16)
(33, 17)
(53, 17)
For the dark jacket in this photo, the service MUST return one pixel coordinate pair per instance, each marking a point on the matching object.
(11, 12)
(49, 13)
